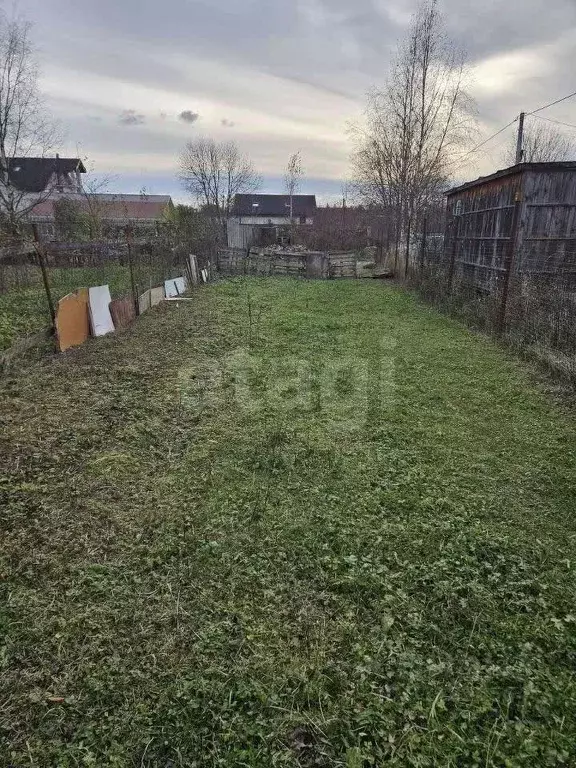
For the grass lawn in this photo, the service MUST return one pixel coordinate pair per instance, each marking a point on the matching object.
(24, 311)
(287, 524)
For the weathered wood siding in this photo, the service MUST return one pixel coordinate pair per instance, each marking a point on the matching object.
(479, 227)
(311, 264)
(238, 262)
(241, 235)
(547, 242)
(480, 219)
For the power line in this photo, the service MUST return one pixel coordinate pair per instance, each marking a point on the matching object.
(540, 117)
(558, 122)
(534, 113)
(458, 162)
(471, 152)
(511, 123)
(552, 104)
(540, 109)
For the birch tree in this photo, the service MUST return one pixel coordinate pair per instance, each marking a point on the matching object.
(26, 129)
(416, 126)
(292, 178)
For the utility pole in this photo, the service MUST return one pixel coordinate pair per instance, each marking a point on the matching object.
(520, 144)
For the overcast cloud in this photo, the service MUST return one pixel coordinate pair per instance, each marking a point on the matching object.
(285, 76)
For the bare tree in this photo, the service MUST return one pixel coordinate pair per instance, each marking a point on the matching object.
(542, 144)
(416, 126)
(292, 178)
(96, 203)
(84, 216)
(25, 127)
(214, 172)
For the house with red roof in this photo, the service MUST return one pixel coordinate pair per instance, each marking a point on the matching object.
(46, 182)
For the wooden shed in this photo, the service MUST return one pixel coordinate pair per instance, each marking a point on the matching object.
(523, 217)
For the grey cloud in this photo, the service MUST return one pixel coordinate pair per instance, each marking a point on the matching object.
(344, 57)
(237, 34)
(225, 123)
(131, 117)
(485, 30)
(187, 116)
(350, 53)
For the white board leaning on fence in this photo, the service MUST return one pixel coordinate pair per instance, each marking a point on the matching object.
(193, 267)
(156, 295)
(99, 305)
(175, 287)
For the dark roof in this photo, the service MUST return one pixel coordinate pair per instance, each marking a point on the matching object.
(32, 174)
(514, 169)
(273, 205)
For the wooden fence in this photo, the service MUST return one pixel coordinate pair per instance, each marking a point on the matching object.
(305, 264)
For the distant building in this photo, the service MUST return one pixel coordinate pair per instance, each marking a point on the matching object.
(141, 212)
(48, 181)
(112, 213)
(46, 176)
(257, 217)
(483, 228)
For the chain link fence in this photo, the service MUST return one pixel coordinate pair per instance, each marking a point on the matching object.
(129, 266)
(528, 301)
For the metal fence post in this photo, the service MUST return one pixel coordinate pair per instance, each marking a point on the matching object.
(42, 262)
(511, 252)
(423, 246)
(131, 267)
(453, 250)
(408, 234)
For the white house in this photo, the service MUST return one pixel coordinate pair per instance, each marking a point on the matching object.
(256, 216)
(46, 176)
(43, 182)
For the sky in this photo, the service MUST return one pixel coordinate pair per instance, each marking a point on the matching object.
(131, 81)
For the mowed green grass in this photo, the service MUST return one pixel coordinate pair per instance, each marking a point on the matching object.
(24, 311)
(287, 524)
